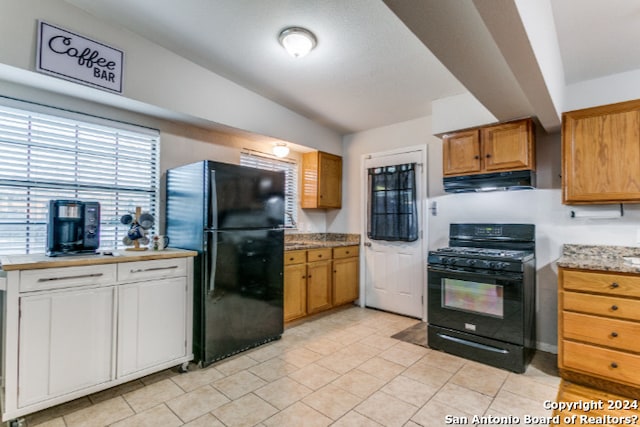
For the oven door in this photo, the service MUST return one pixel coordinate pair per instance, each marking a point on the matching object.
(487, 304)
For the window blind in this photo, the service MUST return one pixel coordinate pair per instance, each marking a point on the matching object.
(290, 170)
(46, 157)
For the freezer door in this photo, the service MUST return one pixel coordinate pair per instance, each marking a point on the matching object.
(241, 197)
(244, 291)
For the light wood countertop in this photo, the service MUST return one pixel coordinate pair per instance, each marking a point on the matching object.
(34, 262)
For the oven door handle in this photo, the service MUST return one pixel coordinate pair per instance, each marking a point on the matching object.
(484, 273)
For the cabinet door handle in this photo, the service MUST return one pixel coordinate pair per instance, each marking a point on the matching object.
(614, 365)
(81, 276)
(143, 270)
(476, 157)
(488, 155)
(614, 307)
(614, 334)
(614, 285)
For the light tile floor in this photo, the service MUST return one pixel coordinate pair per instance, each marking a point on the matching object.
(340, 369)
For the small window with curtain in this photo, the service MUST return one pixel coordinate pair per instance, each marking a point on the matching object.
(392, 207)
(59, 155)
(290, 169)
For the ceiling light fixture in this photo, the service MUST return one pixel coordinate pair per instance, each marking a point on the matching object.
(280, 150)
(297, 41)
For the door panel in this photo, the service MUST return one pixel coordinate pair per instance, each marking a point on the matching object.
(395, 271)
(65, 342)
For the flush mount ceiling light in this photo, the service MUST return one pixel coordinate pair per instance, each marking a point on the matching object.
(297, 41)
(280, 149)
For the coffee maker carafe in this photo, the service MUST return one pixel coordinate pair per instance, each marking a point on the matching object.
(73, 228)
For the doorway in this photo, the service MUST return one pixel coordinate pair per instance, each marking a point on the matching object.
(395, 269)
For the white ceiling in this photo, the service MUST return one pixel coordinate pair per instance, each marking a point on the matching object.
(369, 69)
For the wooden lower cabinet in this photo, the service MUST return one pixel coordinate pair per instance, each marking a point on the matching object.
(295, 291)
(295, 285)
(346, 264)
(598, 326)
(319, 279)
(318, 286)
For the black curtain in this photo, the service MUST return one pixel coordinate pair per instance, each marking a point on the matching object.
(392, 206)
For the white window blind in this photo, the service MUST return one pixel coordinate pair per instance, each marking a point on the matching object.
(291, 181)
(44, 157)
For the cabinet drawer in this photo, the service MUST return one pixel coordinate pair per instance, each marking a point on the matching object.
(621, 308)
(66, 277)
(619, 334)
(610, 364)
(605, 283)
(318, 254)
(345, 252)
(295, 257)
(155, 269)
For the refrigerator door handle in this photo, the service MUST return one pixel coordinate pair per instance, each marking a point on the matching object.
(213, 199)
(212, 252)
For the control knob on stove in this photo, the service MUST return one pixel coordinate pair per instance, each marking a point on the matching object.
(471, 262)
(501, 265)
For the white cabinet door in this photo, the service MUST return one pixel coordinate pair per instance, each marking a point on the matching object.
(151, 324)
(65, 342)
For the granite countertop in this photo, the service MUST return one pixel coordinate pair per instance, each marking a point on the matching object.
(621, 259)
(34, 262)
(304, 241)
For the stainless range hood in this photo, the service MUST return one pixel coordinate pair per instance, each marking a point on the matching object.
(505, 181)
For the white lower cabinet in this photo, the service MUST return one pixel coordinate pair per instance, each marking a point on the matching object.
(151, 324)
(71, 331)
(65, 342)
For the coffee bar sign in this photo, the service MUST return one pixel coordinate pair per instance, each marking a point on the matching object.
(70, 56)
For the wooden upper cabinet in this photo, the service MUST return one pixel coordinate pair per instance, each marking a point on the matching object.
(321, 180)
(508, 146)
(502, 147)
(461, 153)
(601, 154)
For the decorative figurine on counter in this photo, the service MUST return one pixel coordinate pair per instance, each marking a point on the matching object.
(137, 234)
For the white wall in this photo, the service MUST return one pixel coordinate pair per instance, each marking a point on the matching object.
(542, 207)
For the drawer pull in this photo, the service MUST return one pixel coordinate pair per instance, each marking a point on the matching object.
(346, 252)
(614, 285)
(81, 276)
(614, 307)
(143, 270)
(614, 334)
(291, 259)
(614, 365)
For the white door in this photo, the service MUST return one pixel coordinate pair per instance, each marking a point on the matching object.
(395, 271)
(151, 324)
(65, 343)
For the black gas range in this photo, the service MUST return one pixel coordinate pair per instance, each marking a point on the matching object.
(481, 295)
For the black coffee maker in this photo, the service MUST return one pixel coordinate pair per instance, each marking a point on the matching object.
(73, 228)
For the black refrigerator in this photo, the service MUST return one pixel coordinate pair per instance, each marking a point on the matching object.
(233, 216)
